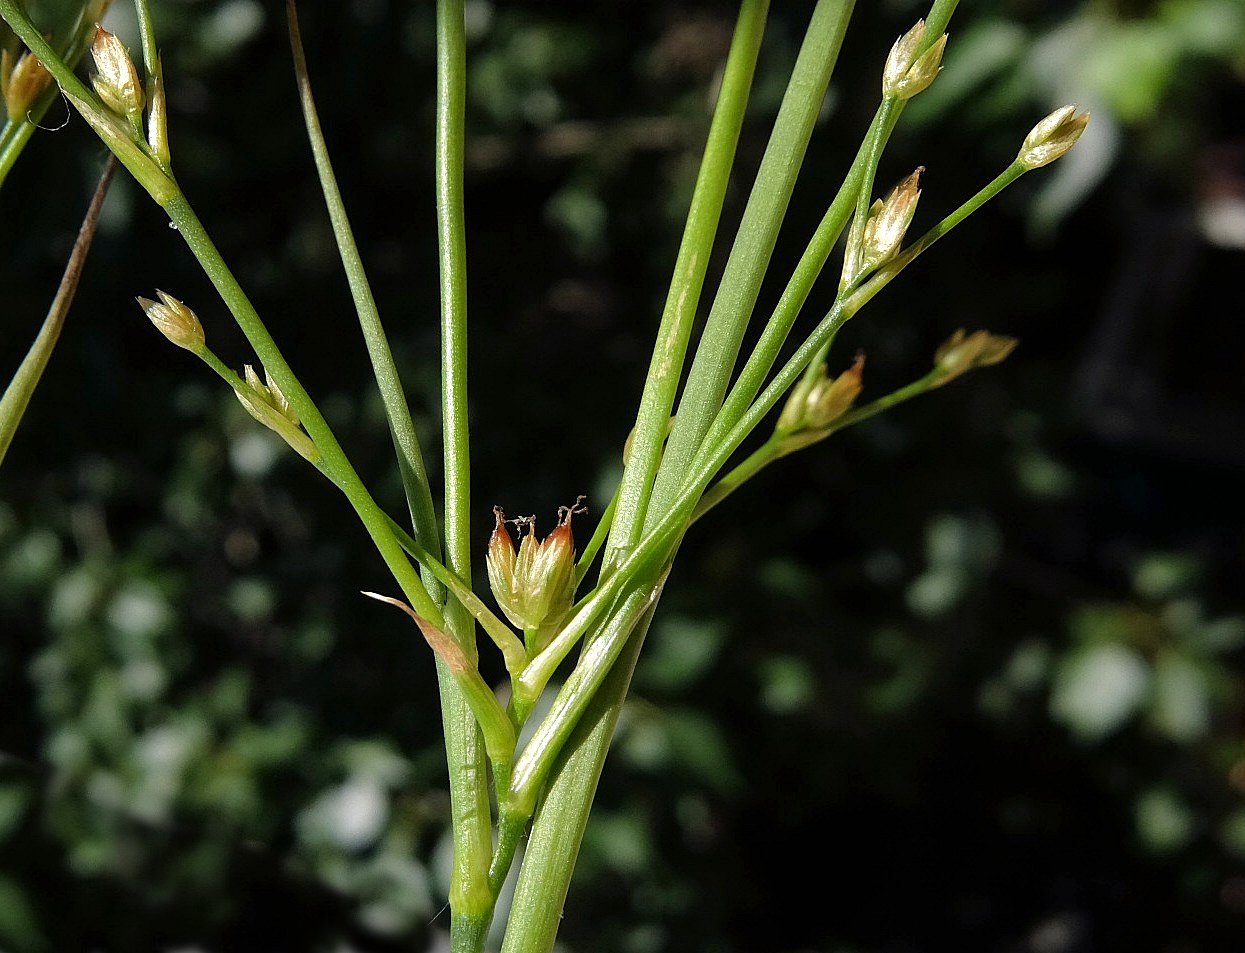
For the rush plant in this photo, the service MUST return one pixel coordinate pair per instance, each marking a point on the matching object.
(683, 456)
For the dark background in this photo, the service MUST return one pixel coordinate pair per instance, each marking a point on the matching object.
(967, 676)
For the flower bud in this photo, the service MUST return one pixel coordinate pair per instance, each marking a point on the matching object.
(116, 81)
(22, 80)
(963, 352)
(264, 401)
(883, 232)
(816, 404)
(174, 320)
(1052, 137)
(535, 586)
(906, 73)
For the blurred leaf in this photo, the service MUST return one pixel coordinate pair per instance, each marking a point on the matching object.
(1181, 708)
(19, 927)
(1097, 689)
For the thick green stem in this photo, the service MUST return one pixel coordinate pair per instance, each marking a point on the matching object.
(401, 427)
(666, 366)
(754, 245)
(471, 901)
(558, 829)
(556, 833)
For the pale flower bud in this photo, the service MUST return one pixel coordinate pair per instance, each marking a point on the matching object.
(883, 233)
(534, 587)
(264, 401)
(828, 400)
(22, 80)
(963, 352)
(815, 404)
(906, 73)
(174, 320)
(116, 81)
(1052, 137)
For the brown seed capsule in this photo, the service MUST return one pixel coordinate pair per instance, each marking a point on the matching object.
(534, 586)
(816, 404)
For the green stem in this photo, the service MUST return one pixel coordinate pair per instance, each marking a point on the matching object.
(147, 38)
(401, 427)
(471, 901)
(15, 135)
(562, 815)
(374, 519)
(781, 445)
(599, 535)
(754, 245)
(20, 390)
(669, 351)
(107, 126)
(558, 828)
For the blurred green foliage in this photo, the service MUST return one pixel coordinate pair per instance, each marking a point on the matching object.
(980, 658)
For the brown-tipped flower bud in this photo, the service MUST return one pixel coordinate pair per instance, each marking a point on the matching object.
(535, 586)
(883, 233)
(22, 80)
(1052, 137)
(264, 401)
(816, 403)
(907, 73)
(174, 320)
(828, 400)
(963, 352)
(116, 80)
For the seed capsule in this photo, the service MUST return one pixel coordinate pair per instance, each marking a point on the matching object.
(534, 586)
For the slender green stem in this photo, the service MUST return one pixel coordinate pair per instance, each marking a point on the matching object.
(14, 136)
(887, 273)
(401, 427)
(599, 535)
(781, 445)
(13, 139)
(373, 518)
(471, 900)
(754, 245)
(147, 38)
(115, 134)
(669, 351)
(17, 395)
